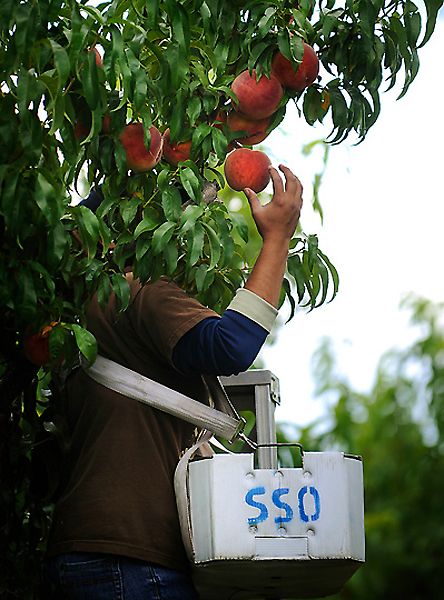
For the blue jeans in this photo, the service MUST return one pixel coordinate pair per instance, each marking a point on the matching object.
(88, 576)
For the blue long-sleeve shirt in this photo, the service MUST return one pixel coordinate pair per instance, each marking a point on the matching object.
(224, 346)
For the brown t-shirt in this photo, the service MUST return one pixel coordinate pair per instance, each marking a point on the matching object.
(118, 494)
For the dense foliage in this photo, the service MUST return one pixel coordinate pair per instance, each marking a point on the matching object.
(72, 75)
(398, 428)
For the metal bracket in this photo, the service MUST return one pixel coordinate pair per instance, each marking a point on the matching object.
(258, 391)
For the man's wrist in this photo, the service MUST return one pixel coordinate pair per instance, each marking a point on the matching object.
(276, 244)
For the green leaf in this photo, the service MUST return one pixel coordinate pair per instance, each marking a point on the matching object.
(295, 268)
(128, 209)
(412, 20)
(296, 49)
(89, 229)
(194, 109)
(29, 89)
(266, 22)
(171, 254)
(287, 290)
(217, 176)
(432, 7)
(323, 279)
(57, 112)
(334, 274)
(90, 80)
(180, 24)
(330, 22)
(312, 250)
(152, 8)
(50, 285)
(312, 106)
(57, 244)
(172, 203)
(219, 142)
(190, 183)
(47, 201)
(122, 290)
(199, 134)
(256, 52)
(140, 89)
(284, 43)
(215, 248)
(142, 247)
(241, 226)
(27, 294)
(162, 236)
(204, 278)
(189, 217)
(196, 238)
(86, 342)
(61, 61)
(103, 289)
(57, 338)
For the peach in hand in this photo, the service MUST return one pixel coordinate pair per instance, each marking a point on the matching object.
(245, 168)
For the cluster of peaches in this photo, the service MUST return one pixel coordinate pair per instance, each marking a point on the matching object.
(248, 123)
(250, 117)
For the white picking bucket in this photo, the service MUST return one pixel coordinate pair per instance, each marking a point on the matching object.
(265, 532)
(275, 533)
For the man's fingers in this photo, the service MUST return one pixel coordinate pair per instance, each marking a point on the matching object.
(292, 182)
(278, 186)
(252, 199)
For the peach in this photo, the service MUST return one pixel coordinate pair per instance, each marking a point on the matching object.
(257, 99)
(139, 158)
(36, 346)
(106, 123)
(256, 130)
(81, 130)
(37, 349)
(83, 126)
(245, 168)
(220, 119)
(175, 152)
(284, 70)
(99, 61)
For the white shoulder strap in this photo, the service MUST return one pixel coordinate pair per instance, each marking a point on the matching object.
(145, 390)
(182, 494)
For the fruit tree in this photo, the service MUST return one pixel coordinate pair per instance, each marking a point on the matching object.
(147, 99)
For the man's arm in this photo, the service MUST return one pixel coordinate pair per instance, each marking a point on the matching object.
(276, 223)
(230, 344)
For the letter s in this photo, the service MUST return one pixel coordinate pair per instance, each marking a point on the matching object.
(278, 502)
(263, 515)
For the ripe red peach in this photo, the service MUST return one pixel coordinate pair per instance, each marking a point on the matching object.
(257, 99)
(284, 70)
(256, 128)
(245, 168)
(99, 61)
(175, 152)
(36, 346)
(139, 158)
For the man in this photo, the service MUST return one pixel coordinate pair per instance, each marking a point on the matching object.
(115, 533)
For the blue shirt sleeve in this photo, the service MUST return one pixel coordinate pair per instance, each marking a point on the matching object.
(94, 199)
(225, 346)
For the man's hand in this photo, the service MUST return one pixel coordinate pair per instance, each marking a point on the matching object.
(278, 219)
(276, 222)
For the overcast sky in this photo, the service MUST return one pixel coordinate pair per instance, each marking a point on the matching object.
(383, 228)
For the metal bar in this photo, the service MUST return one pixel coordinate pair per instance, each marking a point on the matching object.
(265, 427)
